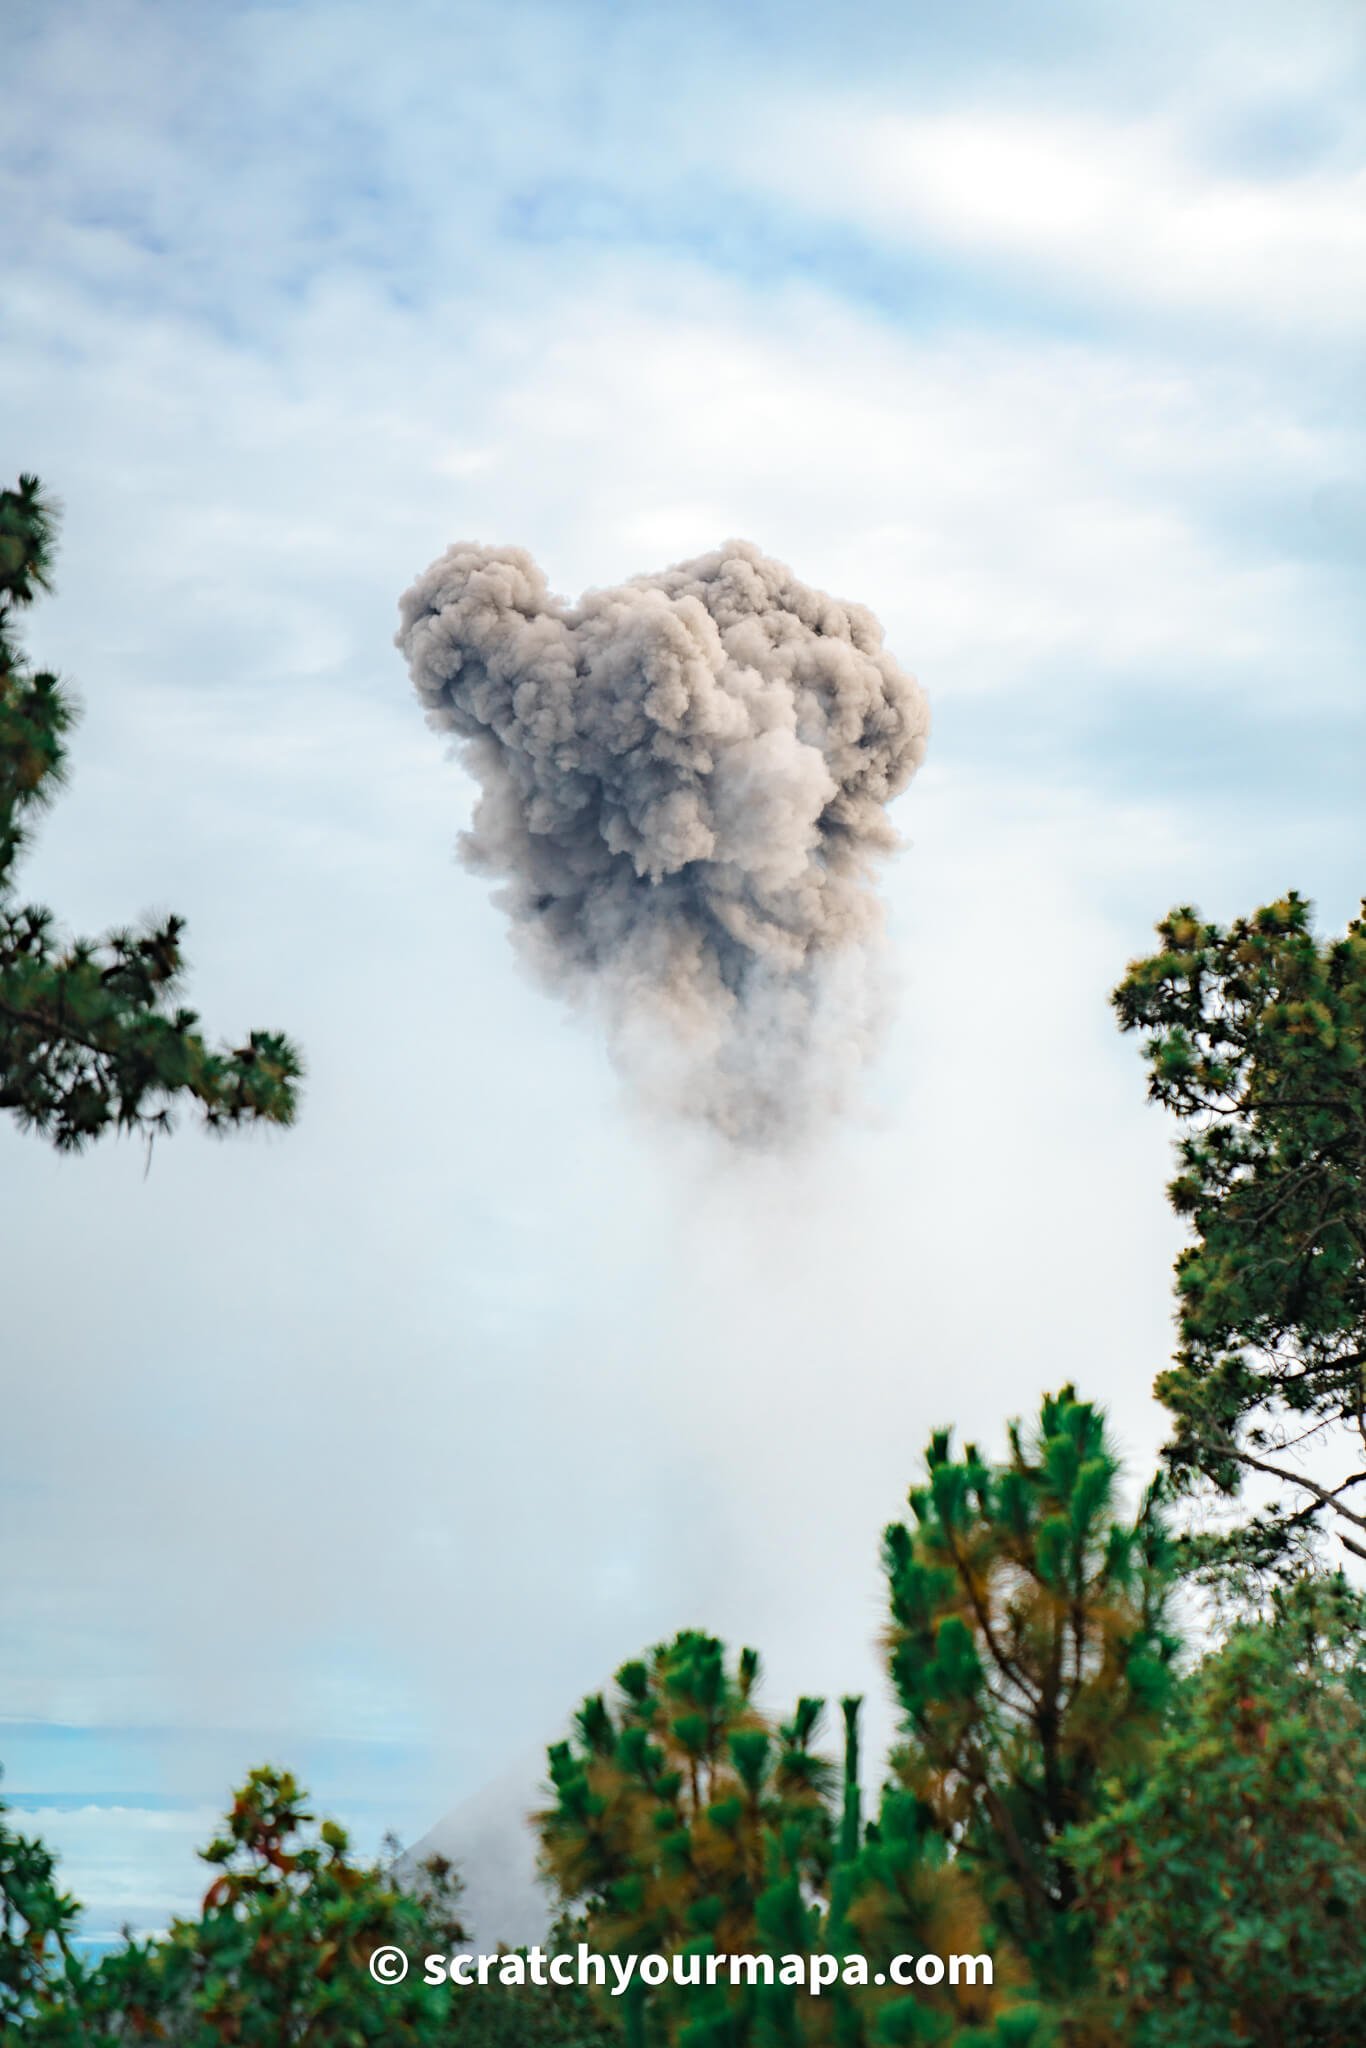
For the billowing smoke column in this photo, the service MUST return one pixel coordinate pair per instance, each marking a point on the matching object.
(685, 784)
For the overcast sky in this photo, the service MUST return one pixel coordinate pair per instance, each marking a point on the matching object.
(1037, 329)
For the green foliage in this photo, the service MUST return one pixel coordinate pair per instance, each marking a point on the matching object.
(684, 1821)
(1231, 1886)
(497, 2015)
(93, 1036)
(36, 1918)
(1030, 1655)
(1148, 1862)
(1257, 1043)
(909, 1895)
(279, 1953)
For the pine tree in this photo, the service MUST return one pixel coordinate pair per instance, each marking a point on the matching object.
(1030, 1656)
(685, 1822)
(909, 1896)
(1257, 1044)
(93, 1036)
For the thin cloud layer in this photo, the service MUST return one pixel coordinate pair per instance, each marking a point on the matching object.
(1120, 211)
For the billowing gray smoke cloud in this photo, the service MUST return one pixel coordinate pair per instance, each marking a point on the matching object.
(685, 784)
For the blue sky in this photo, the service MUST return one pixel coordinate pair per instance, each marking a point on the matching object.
(1036, 329)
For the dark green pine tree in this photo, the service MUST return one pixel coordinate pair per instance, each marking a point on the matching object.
(93, 1035)
(1256, 1041)
(1031, 1659)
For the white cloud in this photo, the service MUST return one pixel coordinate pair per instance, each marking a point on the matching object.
(1101, 208)
(127, 1865)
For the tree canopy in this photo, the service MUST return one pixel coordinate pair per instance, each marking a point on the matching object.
(684, 1819)
(1031, 1655)
(688, 1823)
(1230, 1886)
(1150, 1860)
(94, 1035)
(1256, 1041)
(279, 1952)
(37, 1920)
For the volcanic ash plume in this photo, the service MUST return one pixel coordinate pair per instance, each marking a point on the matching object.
(685, 786)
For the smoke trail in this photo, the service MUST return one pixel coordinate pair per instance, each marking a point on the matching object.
(685, 784)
